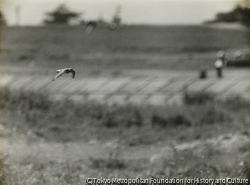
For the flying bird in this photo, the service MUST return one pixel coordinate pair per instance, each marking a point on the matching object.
(60, 72)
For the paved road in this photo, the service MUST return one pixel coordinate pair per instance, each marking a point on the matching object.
(154, 90)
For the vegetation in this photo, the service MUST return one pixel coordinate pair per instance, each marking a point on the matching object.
(33, 124)
(198, 98)
(129, 47)
(51, 119)
(241, 13)
(64, 142)
(2, 20)
(61, 15)
(116, 20)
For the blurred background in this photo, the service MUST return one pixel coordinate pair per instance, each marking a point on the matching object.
(113, 36)
(147, 100)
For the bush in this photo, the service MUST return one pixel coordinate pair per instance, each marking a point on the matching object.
(197, 98)
(112, 162)
(209, 114)
(125, 116)
(235, 103)
(174, 120)
(158, 121)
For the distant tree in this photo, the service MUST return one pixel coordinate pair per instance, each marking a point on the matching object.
(62, 15)
(241, 13)
(116, 20)
(2, 20)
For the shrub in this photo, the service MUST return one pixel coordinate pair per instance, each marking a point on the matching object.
(179, 120)
(134, 119)
(173, 120)
(123, 115)
(197, 98)
(235, 103)
(112, 162)
(158, 121)
(210, 114)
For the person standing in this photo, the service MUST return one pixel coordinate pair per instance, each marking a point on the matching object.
(203, 73)
(219, 64)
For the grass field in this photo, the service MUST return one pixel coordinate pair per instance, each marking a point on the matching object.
(43, 49)
(45, 143)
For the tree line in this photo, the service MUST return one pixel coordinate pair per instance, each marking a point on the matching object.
(62, 15)
(240, 13)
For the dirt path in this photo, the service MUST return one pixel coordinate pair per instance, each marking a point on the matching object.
(154, 87)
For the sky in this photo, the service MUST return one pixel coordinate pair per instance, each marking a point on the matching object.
(156, 12)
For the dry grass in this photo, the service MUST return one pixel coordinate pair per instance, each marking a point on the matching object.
(45, 141)
(71, 121)
(206, 160)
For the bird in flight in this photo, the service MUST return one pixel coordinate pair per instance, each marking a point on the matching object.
(60, 72)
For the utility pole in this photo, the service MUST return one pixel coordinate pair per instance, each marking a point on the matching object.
(18, 18)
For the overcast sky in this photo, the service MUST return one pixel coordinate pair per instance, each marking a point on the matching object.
(32, 12)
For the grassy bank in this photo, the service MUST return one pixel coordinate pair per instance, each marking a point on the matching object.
(183, 140)
(71, 121)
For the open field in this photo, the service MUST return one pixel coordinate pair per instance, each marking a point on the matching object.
(106, 52)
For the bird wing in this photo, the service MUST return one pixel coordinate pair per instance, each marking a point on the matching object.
(73, 73)
(59, 73)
